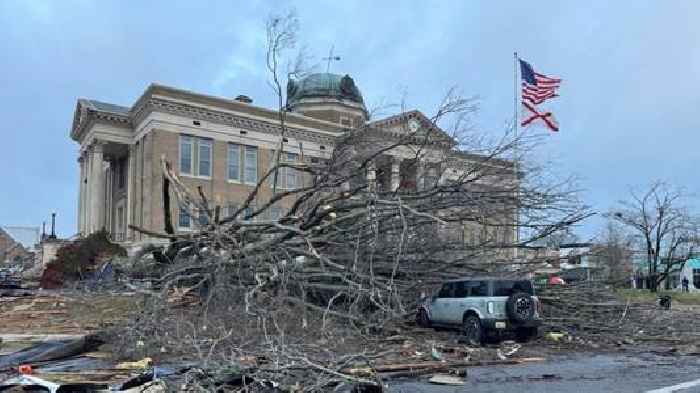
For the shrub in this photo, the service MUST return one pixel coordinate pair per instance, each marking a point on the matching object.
(76, 259)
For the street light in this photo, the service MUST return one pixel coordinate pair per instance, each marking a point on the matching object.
(53, 226)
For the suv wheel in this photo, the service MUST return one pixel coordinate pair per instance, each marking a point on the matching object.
(422, 319)
(520, 307)
(473, 332)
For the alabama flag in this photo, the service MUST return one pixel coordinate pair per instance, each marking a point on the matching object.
(536, 89)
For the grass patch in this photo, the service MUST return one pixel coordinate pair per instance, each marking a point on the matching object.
(643, 295)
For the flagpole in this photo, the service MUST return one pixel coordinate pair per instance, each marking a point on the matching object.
(515, 152)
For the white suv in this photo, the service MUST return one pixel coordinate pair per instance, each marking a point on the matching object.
(483, 303)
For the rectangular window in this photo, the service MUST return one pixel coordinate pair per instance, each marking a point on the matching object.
(234, 162)
(204, 157)
(203, 219)
(184, 218)
(287, 178)
(230, 209)
(280, 172)
(291, 173)
(251, 165)
(195, 156)
(186, 154)
(247, 213)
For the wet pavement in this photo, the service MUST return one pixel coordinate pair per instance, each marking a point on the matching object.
(581, 373)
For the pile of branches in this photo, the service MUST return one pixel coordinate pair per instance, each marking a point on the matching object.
(348, 259)
(594, 312)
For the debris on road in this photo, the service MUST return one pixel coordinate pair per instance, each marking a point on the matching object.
(443, 379)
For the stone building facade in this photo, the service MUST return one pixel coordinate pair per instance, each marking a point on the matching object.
(223, 145)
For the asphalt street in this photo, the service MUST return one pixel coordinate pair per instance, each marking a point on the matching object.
(584, 374)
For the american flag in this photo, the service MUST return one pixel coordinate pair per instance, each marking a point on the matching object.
(536, 89)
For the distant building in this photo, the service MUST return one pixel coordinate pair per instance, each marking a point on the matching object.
(690, 271)
(17, 246)
(226, 146)
(582, 261)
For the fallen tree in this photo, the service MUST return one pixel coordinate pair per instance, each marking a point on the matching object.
(350, 255)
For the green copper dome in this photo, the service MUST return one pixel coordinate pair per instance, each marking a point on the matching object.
(323, 85)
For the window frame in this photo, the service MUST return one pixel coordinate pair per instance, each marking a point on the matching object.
(190, 141)
(291, 157)
(204, 142)
(246, 149)
(233, 147)
(182, 212)
(284, 173)
(195, 144)
(203, 219)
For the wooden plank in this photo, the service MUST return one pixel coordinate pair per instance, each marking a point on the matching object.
(39, 337)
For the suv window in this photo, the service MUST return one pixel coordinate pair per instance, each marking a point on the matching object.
(462, 289)
(471, 289)
(508, 287)
(479, 288)
(446, 290)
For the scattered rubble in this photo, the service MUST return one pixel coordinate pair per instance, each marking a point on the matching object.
(77, 339)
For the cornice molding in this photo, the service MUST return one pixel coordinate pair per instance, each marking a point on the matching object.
(196, 113)
(85, 116)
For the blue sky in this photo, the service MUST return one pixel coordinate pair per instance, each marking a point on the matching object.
(628, 109)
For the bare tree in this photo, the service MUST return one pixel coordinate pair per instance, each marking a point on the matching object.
(664, 226)
(355, 247)
(614, 252)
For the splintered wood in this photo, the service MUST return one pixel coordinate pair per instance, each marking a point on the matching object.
(39, 312)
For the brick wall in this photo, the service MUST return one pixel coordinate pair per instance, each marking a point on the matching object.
(218, 189)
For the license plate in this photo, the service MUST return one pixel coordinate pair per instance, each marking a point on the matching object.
(500, 325)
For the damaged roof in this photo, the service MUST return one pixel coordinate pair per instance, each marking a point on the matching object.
(105, 106)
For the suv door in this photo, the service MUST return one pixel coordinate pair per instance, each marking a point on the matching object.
(459, 303)
(439, 305)
(472, 296)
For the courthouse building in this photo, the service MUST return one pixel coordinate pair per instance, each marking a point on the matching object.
(223, 145)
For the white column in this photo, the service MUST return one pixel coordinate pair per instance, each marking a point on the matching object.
(395, 173)
(97, 189)
(87, 193)
(129, 191)
(109, 182)
(81, 194)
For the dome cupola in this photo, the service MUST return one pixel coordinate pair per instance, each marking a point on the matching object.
(329, 97)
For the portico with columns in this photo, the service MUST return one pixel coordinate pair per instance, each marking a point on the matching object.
(104, 135)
